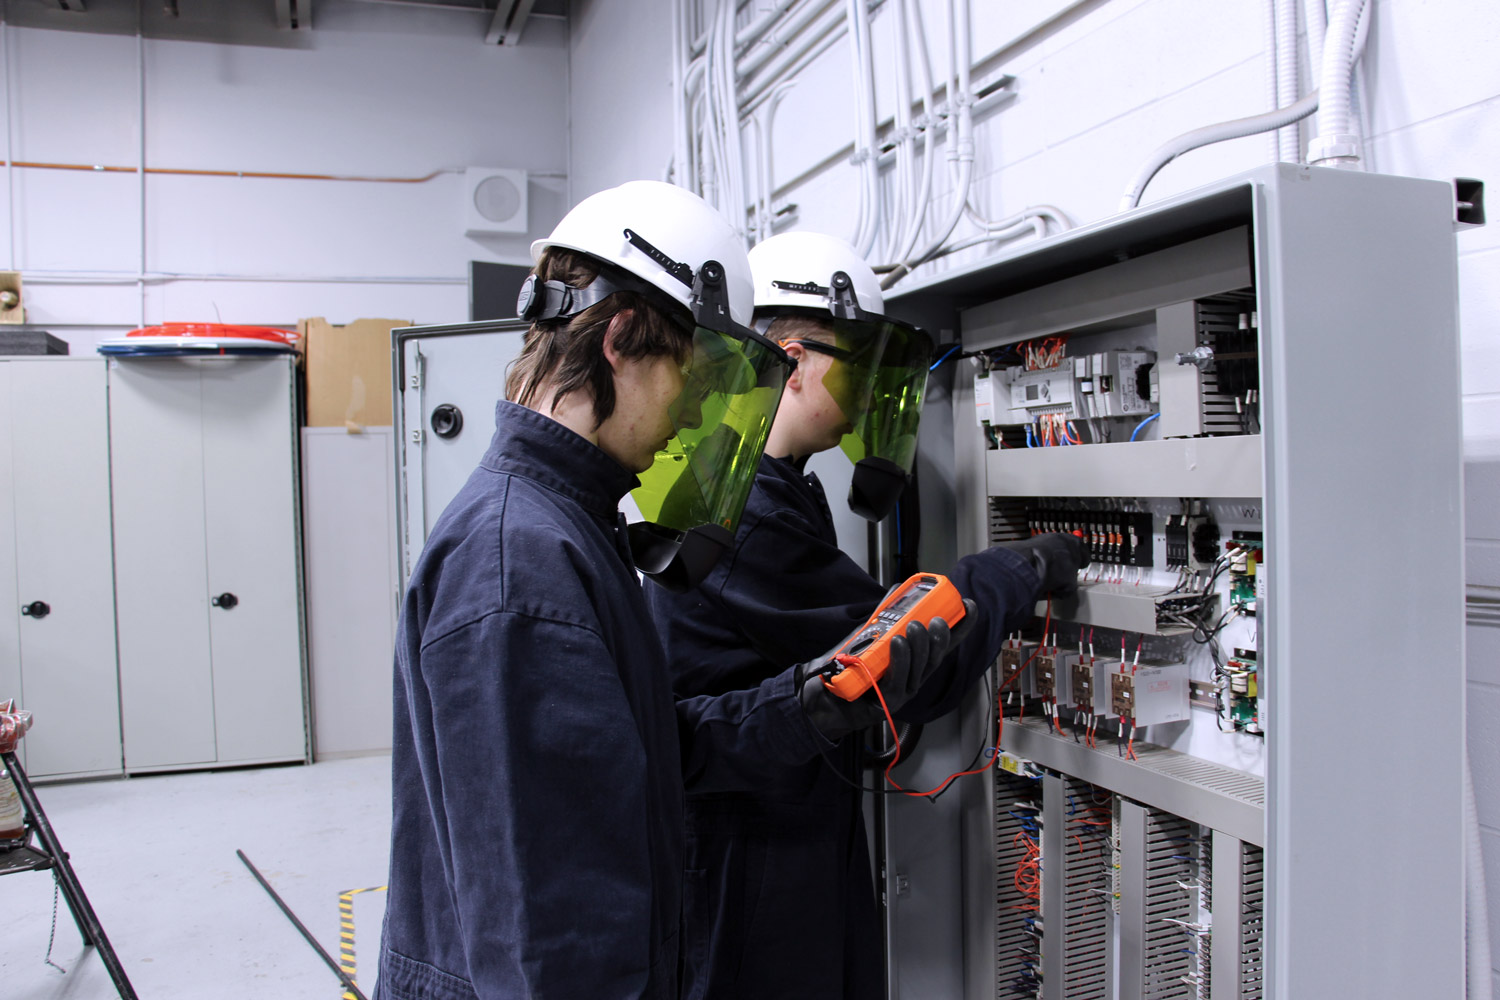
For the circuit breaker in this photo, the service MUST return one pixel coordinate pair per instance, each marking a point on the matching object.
(1158, 385)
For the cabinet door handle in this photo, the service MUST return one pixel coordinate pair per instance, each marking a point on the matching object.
(447, 420)
(36, 609)
(225, 600)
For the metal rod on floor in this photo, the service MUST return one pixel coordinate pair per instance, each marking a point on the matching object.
(343, 976)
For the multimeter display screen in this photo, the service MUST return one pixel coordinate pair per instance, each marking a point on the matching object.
(907, 601)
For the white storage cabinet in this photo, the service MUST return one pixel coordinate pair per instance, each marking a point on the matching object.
(208, 561)
(57, 612)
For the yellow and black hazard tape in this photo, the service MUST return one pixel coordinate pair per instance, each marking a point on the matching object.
(346, 933)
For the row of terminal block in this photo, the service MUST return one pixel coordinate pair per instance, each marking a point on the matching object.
(1145, 694)
(1111, 536)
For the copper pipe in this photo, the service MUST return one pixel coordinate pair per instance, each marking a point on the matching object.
(221, 173)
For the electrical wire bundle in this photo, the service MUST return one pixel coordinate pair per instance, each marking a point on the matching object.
(1046, 352)
(1028, 883)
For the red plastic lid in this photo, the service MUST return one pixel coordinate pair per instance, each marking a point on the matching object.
(220, 330)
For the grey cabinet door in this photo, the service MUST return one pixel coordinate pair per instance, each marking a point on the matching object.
(161, 568)
(55, 422)
(250, 502)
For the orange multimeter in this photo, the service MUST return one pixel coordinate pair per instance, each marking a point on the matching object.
(922, 598)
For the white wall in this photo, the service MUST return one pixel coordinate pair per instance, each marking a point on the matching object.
(1101, 83)
(620, 72)
(371, 91)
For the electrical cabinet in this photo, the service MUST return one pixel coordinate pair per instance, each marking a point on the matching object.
(1188, 387)
(1230, 765)
(57, 612)
(208, 561)
(447, 382)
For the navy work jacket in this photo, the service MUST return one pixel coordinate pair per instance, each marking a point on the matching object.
(789, 861)
(539, 758)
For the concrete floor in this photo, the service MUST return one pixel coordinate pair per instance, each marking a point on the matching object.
(156, 858)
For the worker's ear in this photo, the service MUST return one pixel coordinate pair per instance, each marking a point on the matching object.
(798, 354)
(619, 323)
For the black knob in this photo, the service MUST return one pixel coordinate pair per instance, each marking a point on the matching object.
(225, 601)
(36, 609)
(447, 421)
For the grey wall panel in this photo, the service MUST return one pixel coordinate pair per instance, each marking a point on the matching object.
(350, 542)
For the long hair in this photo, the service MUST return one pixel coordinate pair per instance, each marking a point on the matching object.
(568, 354)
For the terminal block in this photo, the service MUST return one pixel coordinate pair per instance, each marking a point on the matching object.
(1112, 536)
(1013, 657)
(1052, 675)
(1150, 695)
(1082, 673)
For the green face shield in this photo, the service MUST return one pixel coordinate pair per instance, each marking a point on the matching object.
(694, 492)
(877, 379)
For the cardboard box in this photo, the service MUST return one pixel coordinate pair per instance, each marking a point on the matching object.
(348, 372)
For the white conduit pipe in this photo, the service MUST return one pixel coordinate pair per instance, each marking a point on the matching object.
(929, 138)
(962, 135)
(960, 139)
(1476, 904)
(902, 133)
(861, 152)
(1273, 91)
(782, 36)
(1315, 20)
(725, 128)
(867, 123)
(752, 31)
(679, 100)
(731, 119)
(1288, 142)
(1336, 144)
(1210, 134)
(790, 59)
(769, 191)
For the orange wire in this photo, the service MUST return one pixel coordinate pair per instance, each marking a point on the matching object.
(999, 713)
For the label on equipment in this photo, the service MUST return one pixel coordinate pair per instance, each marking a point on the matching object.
(984, 398)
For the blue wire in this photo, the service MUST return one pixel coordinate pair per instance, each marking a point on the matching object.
(1029, 442)
(945, 357)
(1142, 424)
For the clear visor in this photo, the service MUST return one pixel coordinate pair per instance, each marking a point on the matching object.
(878, 379)
(732, 384)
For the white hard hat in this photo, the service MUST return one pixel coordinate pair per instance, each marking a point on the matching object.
(647, 227)
(795, 271)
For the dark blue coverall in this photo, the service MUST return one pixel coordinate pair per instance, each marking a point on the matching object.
(790, 907)
(539, 757)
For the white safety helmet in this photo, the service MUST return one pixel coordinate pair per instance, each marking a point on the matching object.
(880, 374)
(671, 246)
(795, 271)
(662, 234)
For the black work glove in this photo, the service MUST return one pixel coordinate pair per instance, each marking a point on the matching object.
(1057, 558)
(914, 657)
